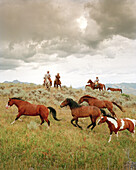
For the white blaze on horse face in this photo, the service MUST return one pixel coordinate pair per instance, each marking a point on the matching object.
(7, 106)
(114, 122)
(99, 119)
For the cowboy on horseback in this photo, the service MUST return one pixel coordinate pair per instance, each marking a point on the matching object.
(48, 76)
(96, 81)
(57, 80)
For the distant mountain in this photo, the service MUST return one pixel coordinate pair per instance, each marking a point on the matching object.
(129, 88)
(16, 82)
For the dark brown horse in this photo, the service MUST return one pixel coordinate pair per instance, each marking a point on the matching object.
(114, 89)
(93, 86)
(79, 111)
(93, 101)
(28, 109)
(116, 125)
(57, 83)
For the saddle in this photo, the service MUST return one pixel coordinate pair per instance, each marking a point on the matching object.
(97, 85)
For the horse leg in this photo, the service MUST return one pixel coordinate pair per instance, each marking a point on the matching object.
(89, 125)
(48, 122)
(116, 134)
(94, 124)
(18, 116)
(110, 137)
(78, 124)
(73, 123)
(42, 120)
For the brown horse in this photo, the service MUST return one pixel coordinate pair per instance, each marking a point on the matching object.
(28, 109)
(93, 86)
(116, 125)
(79, 111)
(93, 101)
(57, 83)
(114, 89)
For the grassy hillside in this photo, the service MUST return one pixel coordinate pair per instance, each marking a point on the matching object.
(25, 145)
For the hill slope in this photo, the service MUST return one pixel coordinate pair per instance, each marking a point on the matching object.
(129, 88)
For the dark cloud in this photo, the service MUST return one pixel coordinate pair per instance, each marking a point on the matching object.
(48, 27)
(114, 17)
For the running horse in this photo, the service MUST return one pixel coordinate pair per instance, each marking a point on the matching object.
(114, 89)
(93, 101)
(93, 86)
(116, 125)
(79, 111)
(28, 109)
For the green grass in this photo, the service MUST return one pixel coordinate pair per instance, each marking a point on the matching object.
(62, 146)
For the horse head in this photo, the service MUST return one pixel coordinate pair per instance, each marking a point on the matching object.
(70, 102)
(66, 102)
(102, 120)
(90, 81)
(11, 101)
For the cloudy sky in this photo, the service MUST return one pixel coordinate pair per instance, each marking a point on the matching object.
(80, 39)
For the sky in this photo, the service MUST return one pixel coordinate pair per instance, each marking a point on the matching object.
(80, 39)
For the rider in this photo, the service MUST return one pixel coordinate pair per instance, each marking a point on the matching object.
(57, 77)
(96, 81)
(48, 76)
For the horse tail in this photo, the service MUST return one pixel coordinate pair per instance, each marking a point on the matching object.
(118, 106)
(53, 111)
(103, 112)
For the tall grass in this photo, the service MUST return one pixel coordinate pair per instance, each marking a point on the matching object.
(25, 145)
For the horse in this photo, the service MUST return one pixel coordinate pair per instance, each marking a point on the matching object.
(47, 83)
(93, 86)
(93, 101)
(79, 111)
(28, 109)
(57, 83)
(116, 125)
(114, 89)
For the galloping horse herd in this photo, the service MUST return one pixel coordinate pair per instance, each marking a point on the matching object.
(94, 111)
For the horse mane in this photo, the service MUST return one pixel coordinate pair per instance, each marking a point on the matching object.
(110, 116)
(73, 104)
(89, 97)
(17, 98)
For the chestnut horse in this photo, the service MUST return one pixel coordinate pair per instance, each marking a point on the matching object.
(57, 83)
(116, 125)
(93, 86)
(28, 109)
(93, 101)
(114, 89)
(79, 111)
